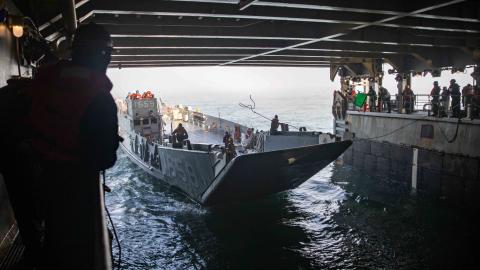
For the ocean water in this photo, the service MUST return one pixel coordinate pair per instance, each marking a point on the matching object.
(339, 219)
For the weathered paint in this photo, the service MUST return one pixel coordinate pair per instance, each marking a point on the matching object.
(406, 130)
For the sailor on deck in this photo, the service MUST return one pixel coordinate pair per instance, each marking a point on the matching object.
(230, 150)
(435, 94)
(274, 125)
(454, 90)
(226, 136)
(180, 135)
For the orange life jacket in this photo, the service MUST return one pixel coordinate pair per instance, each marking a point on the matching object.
(60, 97)
(147, 94)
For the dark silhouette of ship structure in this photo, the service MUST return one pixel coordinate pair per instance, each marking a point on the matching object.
(265, 163)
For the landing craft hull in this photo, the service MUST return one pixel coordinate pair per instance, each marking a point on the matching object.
(245, 177)
(256, 175)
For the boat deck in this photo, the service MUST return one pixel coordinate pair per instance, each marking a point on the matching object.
(197, 134)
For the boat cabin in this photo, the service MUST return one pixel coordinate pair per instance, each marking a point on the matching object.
(144, 117)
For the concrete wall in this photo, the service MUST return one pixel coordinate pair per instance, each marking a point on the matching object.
(449, 177)
(406, 130)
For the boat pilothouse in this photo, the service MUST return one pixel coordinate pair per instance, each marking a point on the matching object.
(144, 117)
(265, 164)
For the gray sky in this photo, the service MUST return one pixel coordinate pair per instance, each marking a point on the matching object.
(218, 81)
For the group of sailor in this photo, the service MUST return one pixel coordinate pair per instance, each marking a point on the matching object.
(137, 95)
(446, 101)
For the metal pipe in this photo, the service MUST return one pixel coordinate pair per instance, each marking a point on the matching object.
(18, 56)
(69, 15)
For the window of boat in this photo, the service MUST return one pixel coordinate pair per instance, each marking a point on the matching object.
(136, 122)
(145, 121)
(153, 120)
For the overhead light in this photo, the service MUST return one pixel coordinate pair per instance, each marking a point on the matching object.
(16, 23)
(17, 31)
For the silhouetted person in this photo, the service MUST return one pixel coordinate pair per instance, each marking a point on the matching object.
(467, 95)
(454, 90)
(74, 122)
(372, 98)
(180, 134)
(445, 101)
(274, 125)
(16, 165)
(385, 98)
(226, 136)
(476, 102)
(435, 94)
(408, 97)
(230, 150)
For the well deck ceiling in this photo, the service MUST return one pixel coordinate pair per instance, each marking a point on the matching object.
(410, 35)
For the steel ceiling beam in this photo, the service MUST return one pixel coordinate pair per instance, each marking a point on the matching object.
(287, 17)
(375, 35)
(60, 16)
(338, 45)
(334, 36)
(127, 65)
(243, 4)
(294, 53)
(335, 6)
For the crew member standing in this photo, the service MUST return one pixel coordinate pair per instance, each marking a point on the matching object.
(230, 151)
(445, 101)
(408, 97)
(226, 136)
(372, 98)
(435, 94)
(274, 125)
(385, 98)
(74, 124)
(454, 90)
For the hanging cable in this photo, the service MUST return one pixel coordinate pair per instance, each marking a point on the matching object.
(119, 265)
(252, 108)
(454, 136)
(393, 131)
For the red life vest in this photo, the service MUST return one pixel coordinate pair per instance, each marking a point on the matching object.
(60, 96)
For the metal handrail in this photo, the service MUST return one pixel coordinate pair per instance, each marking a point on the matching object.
(424, 102)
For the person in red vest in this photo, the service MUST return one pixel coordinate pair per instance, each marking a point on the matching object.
(74, 124)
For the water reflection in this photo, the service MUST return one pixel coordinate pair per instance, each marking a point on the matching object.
(339, 219)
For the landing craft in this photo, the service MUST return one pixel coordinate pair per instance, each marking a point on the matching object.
(264, 163)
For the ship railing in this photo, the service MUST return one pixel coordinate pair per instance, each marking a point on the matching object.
(443, 105)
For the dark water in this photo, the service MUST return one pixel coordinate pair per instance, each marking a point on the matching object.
(339, 219)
